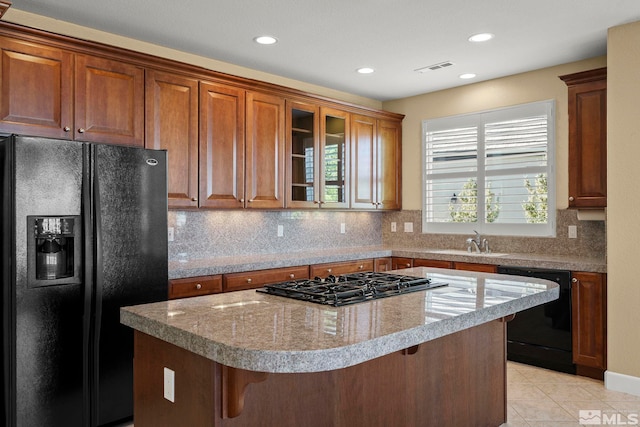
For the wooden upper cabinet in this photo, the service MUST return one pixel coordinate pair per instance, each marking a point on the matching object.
(265, 149)
(109, 101)
(375, 163)
(222, 146)
(171, 107)
(36, 90)
(587, 99)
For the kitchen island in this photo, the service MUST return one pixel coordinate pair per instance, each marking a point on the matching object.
(428, 358)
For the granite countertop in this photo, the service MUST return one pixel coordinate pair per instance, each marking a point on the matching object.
(233, 264)
(266, 333)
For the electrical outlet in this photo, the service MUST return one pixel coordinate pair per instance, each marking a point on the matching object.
(170, 234)
(408, 227)
(343, 228)
(280, 230)
(394, 227)
(573, 232)
(169, 385)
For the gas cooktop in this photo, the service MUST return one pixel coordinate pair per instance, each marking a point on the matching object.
(350, 288)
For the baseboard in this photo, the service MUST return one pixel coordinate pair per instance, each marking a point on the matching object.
(621, 382)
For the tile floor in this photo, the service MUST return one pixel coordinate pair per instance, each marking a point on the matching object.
(539, 397)
(542, 398)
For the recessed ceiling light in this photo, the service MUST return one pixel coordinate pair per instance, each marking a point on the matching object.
(467, 76)
(265, 40)
(365, 70)
(481, 37)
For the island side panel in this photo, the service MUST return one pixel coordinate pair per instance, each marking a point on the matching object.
(196, 395)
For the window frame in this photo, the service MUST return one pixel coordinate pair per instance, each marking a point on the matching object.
(488, 116)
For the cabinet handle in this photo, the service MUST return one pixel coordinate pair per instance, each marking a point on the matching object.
(249, 280)
(194, 199)
(408, 264)
(66, 128)
(361, 267)
(328, 270)
(241, 200)
(198, 286)
(292, 276)
(81, 130)
(250, 200)
(574, 280)
(571, 199)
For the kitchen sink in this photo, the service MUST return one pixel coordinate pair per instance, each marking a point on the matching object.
(466, 253)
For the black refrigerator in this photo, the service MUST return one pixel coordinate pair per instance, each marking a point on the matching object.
(84, 232)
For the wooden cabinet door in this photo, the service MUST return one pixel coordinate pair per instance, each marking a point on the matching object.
(171, 106)
(265, 125)
(303, 156)
(258, 278)
(109, 101)
(36, 90)
(334, 168)
(589, 319)
(222, 146)
(363, 162)
(389, 165)
(587, 98)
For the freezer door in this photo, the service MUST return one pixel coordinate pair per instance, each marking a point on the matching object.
(47, 333)
(130, 188)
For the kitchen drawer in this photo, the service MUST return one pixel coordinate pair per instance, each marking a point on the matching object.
(255, 279)
(194, 286)
(398, 263)
(337, 268)
(471, 266)
(435, 263)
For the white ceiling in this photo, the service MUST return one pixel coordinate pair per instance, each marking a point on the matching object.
(324, 41)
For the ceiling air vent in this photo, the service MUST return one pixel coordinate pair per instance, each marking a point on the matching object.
(435, 67)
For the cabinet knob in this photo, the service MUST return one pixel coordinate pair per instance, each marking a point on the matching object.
(66, 128)
(249, 280)
(198, 286)
(292, 276)
(194, 199)
(574, 280)
(360, 267)
(571, 199)
(328, 270)
(81, 130)
(241, 200)
(408, 264)
(250, 200)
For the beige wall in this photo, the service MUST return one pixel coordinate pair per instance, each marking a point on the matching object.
(517, 89)
(17, 16)
(623, 229)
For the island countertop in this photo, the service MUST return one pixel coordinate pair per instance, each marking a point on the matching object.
(266, 333)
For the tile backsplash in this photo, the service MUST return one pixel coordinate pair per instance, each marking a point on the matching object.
(209, 234)
(590, 241)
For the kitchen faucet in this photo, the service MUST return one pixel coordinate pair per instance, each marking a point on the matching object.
(478, 243)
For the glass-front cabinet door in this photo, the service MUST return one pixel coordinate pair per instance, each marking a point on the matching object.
(334, 169)
(302, 153)
(317, 166)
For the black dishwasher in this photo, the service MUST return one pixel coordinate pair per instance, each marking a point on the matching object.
(541, 335)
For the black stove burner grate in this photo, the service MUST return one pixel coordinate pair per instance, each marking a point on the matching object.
(350, 288)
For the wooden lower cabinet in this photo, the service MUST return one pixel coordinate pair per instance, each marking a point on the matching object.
(337, 268)
(258, 278)
(472, 266)
(195, 286)
(589, 321)
(382, 264)
(435, 263)
(455, 380)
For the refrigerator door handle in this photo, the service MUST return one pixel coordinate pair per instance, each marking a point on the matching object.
(87, 226)
(98, 286)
